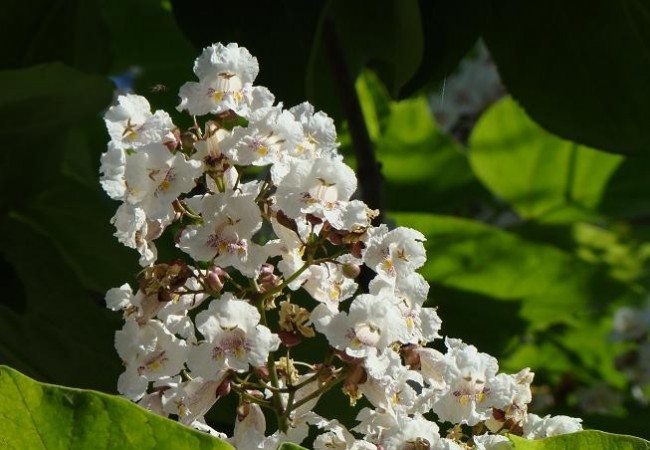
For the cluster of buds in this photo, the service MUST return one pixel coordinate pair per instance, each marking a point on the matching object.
(261, 206)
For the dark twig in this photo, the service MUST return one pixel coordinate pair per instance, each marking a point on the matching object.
(368, 169)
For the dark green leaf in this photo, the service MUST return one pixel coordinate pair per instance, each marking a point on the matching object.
(46, 99)
(41, 31)
(579, 68)
(64, 334)
(449, 30)
(39, 416)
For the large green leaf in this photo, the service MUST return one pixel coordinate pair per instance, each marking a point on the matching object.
(542, 176)
(579, 68)
(41, 31)
(423, 169)
(39, 101)
(628, 192)
(39, 416)
(591, 440)
(351, 36)
(554, 285)
(149, 47)
(53, 328)
(449, 30)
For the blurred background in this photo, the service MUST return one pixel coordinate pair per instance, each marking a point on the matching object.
(514, 136)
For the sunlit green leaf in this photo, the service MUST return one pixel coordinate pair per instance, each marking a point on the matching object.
(542, 176)
(591, 440)
(40, 416)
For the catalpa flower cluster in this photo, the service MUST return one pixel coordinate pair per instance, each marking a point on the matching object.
(271, 244)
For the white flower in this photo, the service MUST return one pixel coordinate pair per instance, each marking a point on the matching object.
(469, 376)
(226, 74)
(395, 253)
(536, 427)
(134, 230)
(337, 437)
(271, 134)
(327, 284)
(154, 178)
(372, 324)
(229, 221)
(411, 433)
(131, 124)
(113, 164)
(234, 338)
(319, 132)
(321, 187)
(191, 399)
(491, 442)
(150, 353)
(423, 324)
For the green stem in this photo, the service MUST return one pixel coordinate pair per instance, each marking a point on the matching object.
(317, 393)
(251, 398)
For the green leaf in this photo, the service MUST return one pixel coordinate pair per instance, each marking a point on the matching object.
(627, 195)
(579, 68)
(46, 99)
(423, 169)
(450, 30)
(591, 440)
(40, 31)
(149, 46)
(41, 416)
(51, 316)
(555, 287)
(542, 176)
(290, 446)
(77, 220)
(386, 38)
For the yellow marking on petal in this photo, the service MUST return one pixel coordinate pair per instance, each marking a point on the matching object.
(262, 150)
(410, 322)
(464, 399)
(164, 185)
(217, 96)
(355, 342)
(154, 365)
(481, 397)
(238, 96)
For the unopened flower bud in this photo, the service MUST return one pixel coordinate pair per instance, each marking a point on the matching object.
(411, 356)
(188, 139)
(286, 221)
(215, 279)
(356, 249)
(172, 140)
(262, 372)
(312, 219)
(289, 338)
(267, 280)
(335, 238)
(224, 388)
(350, 270)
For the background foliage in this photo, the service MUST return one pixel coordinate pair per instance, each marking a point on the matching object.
(537, 229)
